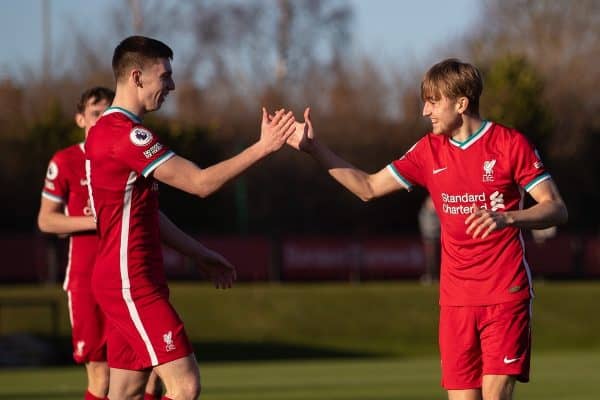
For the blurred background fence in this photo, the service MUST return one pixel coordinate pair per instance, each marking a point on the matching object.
(41, 259)
(537, 60)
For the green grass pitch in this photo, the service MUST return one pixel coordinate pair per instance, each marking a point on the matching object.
(369, 341)
(555, 376)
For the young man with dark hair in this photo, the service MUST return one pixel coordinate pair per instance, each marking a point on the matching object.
(476, 172)
(65, 210)
(125, 162)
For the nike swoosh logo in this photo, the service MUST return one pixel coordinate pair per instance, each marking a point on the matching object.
(437, 171)
(510, 360)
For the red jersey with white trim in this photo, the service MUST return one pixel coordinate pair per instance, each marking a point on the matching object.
(66, 184)
(491, 169)
(121, 156)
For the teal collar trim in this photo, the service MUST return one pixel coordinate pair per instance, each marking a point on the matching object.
(129, 114)
(485, 125)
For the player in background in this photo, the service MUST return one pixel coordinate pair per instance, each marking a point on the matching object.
(477, 173)
(65, 210)
(429, 227)
(125, 162)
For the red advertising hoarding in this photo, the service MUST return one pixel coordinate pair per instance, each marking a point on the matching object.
(392, 258)
(591, 257)
(552, 258)
(251, 255)
(330, 258)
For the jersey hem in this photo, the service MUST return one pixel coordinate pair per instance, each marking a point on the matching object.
(478, 303)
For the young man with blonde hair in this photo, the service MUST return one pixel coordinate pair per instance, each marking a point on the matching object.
(476, 172)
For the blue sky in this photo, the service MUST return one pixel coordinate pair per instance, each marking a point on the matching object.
(387, 31)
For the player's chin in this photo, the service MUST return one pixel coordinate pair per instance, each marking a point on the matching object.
(158, 103)
(434, 127)
(149, 107)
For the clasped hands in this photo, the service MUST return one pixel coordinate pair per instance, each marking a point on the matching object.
(282, 127)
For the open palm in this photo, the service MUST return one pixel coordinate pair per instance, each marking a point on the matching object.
(303, 136)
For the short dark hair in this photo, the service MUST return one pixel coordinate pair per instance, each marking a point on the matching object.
(453, 78)
(96, 94)
(137, 52)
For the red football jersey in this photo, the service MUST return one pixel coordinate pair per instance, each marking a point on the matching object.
(121, 155)
(491, 169)
(66, 183)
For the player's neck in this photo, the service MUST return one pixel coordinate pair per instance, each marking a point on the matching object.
(470, 125)
(129, 103)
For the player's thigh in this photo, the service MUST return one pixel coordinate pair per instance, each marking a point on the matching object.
(127, 384)
(178, 375)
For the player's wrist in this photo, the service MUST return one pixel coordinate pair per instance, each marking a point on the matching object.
(314, 148)
(90, 223)
(509, 219)
(262, 148)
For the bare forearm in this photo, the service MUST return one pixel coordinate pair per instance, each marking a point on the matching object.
(61, 224)
(540, 216)
(352, 178)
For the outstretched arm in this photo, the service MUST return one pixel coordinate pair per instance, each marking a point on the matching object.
(211, 263)
(365, 186)
(187, 176)
(549, 210)
(52, 219)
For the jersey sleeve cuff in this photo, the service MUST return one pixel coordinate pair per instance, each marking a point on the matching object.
(52, 197)
(156, 163)
(398, 177)
(537, 180)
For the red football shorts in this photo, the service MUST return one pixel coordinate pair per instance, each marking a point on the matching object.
(484, 340)
(87, 326)
(143, 330)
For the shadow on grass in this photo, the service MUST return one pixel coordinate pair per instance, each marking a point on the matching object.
(32, 350)
(264, 351)
(37, 396)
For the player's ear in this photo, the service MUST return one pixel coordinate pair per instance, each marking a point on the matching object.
(462, 104)
(136, 76)
(80, 120)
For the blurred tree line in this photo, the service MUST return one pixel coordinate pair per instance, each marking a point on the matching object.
(537, 58)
